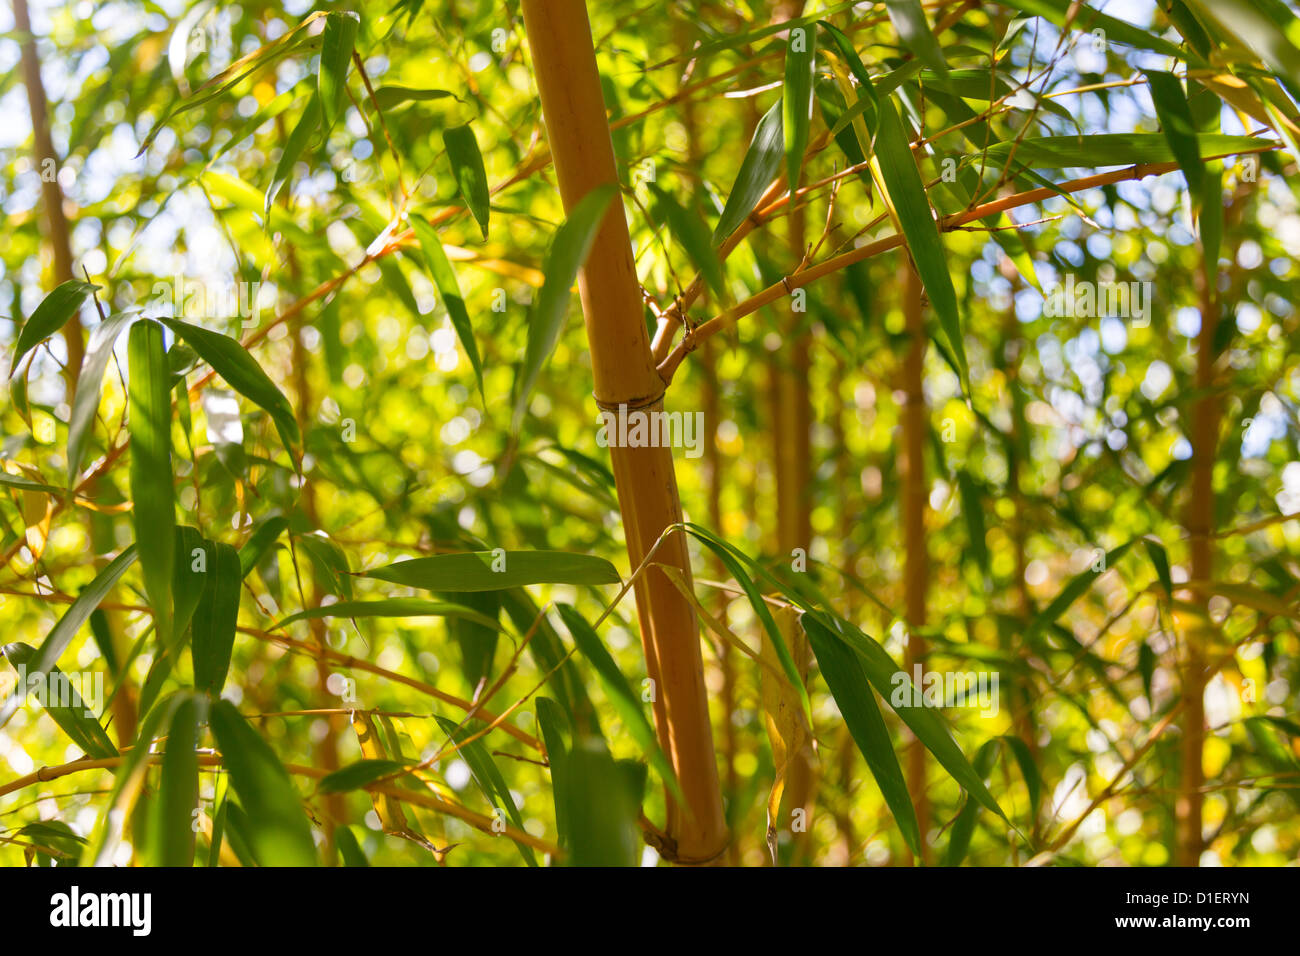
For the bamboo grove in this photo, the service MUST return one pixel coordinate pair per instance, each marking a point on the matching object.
(913, 480)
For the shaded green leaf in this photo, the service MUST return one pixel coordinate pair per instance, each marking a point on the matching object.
(444, 278)
(758, 169)
(573, 241)
(477, 570)
(471, 177)
(277, 826)
(51, 315)
(153, 508)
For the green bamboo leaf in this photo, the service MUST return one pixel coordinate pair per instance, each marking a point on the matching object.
(496, 570)
(390, 607)
(386, 97)
(845, 48)
(193, 556)
(1270, 30)
(99, 349)
(61, 700)
(1085, 19)
(1028, 769)
(1074, 589)
(761, 165)
(66, 629)
(964, 826)
(172, 839)
(444, 278)
(555, 732)
(902, 180)
(732, 41)
(277, 826)
(573, 241)
(625, 702)
(487, 776)
(26, 484)
(973, 511)
(1116, 149)
(1160, 560)
(215, 620)
(909, 20)
(232, 362)
(308, 123)
(129, 778)
(250, 555)
(329, 562)
(51, 315)
(266, 57)
(349, 848)
(153, 508)
(360, 774)
(602, 806)
(1179, 130)
(1211, 221)
(844, 676)
(66, 845)
(797, 98)
(335, 58)
(551, 657)
(928, 726)
(471, 177)
(689, 230)
(731, 559)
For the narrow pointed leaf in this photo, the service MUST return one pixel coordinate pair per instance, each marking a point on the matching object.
(73, 618)
(906, 191)
(843, 673)
(471, 177)
(444, 279)
(797, 100)
(335, 57)
(51, 315)
(914, 33)
(1179, 129)
(277, 825)
(928, 726)
(573, 241)
(390, 607)
(626, 703)
(307, 125)
(215, 620)
(99, 349)
(494, 571)
(172, 842)
(487, 776)
(761, 165)
(232, 362)
(61, 700)
(153, 508)
(360, 774)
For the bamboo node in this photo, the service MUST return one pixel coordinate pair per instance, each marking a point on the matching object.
(630, 404)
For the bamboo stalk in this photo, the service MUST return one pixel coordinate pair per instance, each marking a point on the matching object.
(568, 82)
(1200, 528)
(51, 191)
(913, 489)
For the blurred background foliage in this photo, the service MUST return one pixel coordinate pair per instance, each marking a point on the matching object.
(1073, 438)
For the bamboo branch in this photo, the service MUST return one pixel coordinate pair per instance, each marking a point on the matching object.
(778, 290)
